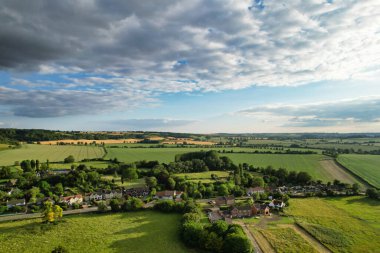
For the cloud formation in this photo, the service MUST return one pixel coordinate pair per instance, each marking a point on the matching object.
(150, 124)
(145, 48)
(361, 110)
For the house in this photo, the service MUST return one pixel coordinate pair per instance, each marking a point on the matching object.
(225, 200)
(276, 204)
(95, 196)
(74, 199)
(111, 194)
(16, 202)
(253, 190)
(137, 192)
(214, 216)
(242, 211)
(168, 195)
(260, 209)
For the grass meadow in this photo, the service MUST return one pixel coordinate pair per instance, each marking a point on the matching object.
(137, 232)
(54, 153)
(339, 223)
(365, 166)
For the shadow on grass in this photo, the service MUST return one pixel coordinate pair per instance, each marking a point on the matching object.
(364, 201)
(151, 234)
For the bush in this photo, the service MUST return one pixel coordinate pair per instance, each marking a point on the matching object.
(165, 206)
(102, 206)
(59, 249)
(236, 243)
(3, 209)
(115, 205)
(192, 234)
(132, 204)
(69, 159)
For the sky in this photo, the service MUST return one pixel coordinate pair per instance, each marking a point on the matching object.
(190, 66)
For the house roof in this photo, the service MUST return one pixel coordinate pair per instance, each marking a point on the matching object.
(78, 196)
(165, 193)
(246, 207)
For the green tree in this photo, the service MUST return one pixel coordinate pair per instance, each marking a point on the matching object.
(236, 243)
(58, 189)
(69, 159)
(151, 182)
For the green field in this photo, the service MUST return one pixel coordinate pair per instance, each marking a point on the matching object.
(166, 155)
(203, 175)
(339, 223)
(54, 153)
(285, 240)
(365, 166)
(4, 147)
(127, 183)
(137, 232)
(308, 163)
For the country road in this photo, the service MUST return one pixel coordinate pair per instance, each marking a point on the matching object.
(38, 215)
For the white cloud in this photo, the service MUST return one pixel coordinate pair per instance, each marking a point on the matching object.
(185, 46)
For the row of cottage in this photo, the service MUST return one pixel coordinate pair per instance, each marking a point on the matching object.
(104, 195)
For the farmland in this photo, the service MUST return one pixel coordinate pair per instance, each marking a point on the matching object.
(315, 165)
(365, 166)
(127, 232)
(336, 223)
(54, 153)
(286, 240)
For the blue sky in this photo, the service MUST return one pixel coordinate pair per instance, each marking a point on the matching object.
(191, 66)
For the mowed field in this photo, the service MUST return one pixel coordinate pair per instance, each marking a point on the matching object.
(54, 153)
(137, 232)
(318, 166)
(348, 224)
(365, 166)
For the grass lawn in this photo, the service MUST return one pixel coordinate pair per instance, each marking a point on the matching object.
(127, 184)
(203, 175)
(54, 153)
(365, 166)
(336, 226)
(137, 232)
(286, 240)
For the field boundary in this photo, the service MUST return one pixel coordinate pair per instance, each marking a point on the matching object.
(307, 233)
(359, 178)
